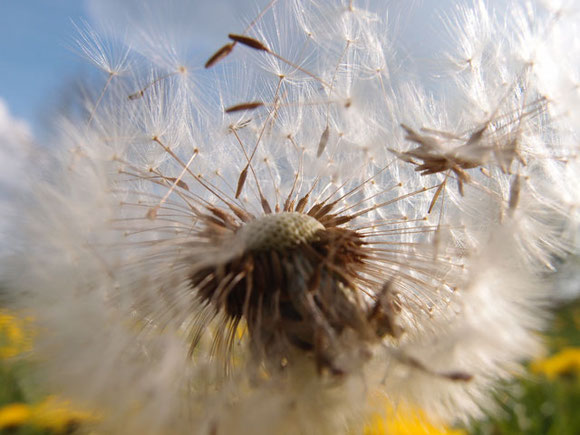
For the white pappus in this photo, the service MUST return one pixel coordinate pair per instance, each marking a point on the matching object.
(268, 238)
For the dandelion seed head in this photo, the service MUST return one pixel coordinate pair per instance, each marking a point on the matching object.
(265, 238)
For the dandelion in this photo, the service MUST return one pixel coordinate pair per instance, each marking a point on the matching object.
(265, 240)
(52, 413)
(407, 421)
(15, 335)
(13, 415)
(565, 361)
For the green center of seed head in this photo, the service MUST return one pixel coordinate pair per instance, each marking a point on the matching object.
(279, 231)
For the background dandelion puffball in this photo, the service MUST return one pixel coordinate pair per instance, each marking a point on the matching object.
(321, 217)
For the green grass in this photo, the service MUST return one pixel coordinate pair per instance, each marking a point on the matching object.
(537, 404)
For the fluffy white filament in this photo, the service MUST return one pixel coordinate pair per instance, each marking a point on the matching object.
(460, 171)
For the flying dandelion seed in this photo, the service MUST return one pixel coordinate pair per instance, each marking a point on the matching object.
(262, 240)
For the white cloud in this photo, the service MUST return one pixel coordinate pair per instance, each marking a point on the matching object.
(15, 145)
(14, 133)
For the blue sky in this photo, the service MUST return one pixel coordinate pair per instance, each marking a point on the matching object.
(36, 58)
(38, 62)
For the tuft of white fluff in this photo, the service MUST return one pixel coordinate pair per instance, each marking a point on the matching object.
(463, 184)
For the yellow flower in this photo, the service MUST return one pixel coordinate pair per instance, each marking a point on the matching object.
(15, 335)
(52, 413)
(406, 420)
(13, 415)
(565, 361)
(58, 414)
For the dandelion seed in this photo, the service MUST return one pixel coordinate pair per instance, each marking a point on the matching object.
(241, 181)
(323, 141)
(514, 194)
(248, 41)
(219, 55)
(244, 106)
